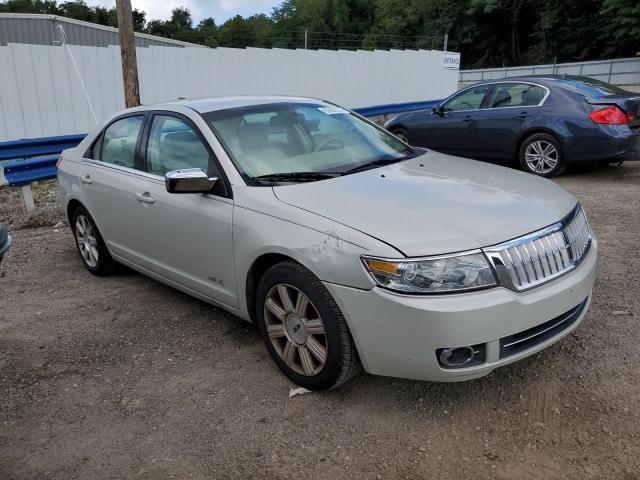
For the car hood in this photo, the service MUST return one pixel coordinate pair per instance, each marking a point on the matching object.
(435, 203)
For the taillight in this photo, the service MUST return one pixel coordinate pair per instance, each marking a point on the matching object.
(59, 161)
(609, 116)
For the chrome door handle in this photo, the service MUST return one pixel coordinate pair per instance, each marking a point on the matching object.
(86, 179)
(144, 197)
(522, 115)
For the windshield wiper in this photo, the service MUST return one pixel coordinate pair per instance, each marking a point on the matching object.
(375, 163)
(297, 176)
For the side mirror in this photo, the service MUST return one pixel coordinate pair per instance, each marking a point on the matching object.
(189, 180)
(438, 109)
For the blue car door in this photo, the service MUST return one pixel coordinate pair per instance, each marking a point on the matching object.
(509, 108)
(452, 128)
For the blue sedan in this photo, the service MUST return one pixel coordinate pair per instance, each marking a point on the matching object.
(543, 122)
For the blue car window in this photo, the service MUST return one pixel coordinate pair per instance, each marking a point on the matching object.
(470, 99)
(516, 95)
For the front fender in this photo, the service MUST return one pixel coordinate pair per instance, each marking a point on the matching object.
(329, 250)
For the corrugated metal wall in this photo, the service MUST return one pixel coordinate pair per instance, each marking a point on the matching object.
(42, 30)
(623, 71)
(41, 95)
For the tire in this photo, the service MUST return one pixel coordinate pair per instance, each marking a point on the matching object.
(91, 248)
(299, 333)
(402, 135)
(541, 154)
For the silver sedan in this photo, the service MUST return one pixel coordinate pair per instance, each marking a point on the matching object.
(349, 248)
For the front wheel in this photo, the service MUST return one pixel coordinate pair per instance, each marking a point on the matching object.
(402, 135)
(541, 155)
(303, 328)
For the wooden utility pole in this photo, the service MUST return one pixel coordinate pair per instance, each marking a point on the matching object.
(128, 54)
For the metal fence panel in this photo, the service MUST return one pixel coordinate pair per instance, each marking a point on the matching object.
(41, 95)
(623, 71)
(41, 29)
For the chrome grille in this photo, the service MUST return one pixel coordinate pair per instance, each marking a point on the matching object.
(541, 256)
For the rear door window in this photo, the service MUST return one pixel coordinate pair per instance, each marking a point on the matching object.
(117, 145)
(515, 95)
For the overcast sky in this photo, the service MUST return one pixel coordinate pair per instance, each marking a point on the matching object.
(220, 10)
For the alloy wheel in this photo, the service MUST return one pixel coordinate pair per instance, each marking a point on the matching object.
(87, 242)
(402, 137)
(295, 329)
(541, 156)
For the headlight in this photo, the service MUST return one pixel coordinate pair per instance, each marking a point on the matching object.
(439, 274)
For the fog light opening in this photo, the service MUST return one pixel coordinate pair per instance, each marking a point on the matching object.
(457, 357)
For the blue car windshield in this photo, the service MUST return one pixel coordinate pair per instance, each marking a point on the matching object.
(591, 88)
(301, 138)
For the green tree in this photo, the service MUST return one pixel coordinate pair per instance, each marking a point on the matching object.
(488, 33)
(620, 27)
(209, 32)
(77, 10)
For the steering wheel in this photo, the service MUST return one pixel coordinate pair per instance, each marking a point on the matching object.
(466, 105)
(325, 145)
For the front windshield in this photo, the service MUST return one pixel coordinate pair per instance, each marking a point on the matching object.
(301, 138)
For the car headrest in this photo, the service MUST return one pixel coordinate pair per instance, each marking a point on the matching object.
(175, 138)
(181, 144)
(286, 119)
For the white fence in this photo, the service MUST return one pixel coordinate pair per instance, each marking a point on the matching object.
(623, 71)
(40, 94)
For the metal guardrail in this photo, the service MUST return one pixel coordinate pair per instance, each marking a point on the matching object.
(395, 108)
(28, 160)
(25, 161)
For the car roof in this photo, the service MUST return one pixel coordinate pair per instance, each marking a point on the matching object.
(204, 105)
(541, 79)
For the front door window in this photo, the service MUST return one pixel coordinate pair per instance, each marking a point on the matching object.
(470, 99)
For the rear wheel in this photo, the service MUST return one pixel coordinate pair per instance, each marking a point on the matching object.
(91, 247)
(541, 155)
(303, 328)
(402, 135)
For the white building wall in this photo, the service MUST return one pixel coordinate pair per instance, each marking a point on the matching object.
(41, 96)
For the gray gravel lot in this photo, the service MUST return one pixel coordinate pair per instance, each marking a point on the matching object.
(123, 377)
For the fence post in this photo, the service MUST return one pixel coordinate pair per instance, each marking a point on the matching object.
(610, 71)
(26, 199)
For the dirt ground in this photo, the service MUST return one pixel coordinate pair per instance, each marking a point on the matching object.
(122, 377)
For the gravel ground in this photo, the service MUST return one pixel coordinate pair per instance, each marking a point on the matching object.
(45, 196)
(122, 377)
